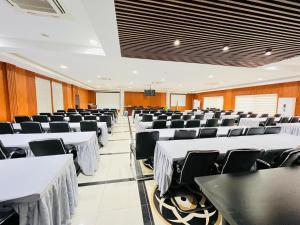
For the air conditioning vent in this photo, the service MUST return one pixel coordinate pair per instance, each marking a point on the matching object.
(40, 7)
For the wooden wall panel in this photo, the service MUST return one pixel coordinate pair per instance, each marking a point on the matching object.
(4, 99)
(68, 96)
(139, 99)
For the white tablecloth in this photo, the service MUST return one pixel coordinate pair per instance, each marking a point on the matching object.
(86, 144)
(76, 127)
(42, 190)
(229, 117)
(290, 128)
(251, 122)
(166, 152)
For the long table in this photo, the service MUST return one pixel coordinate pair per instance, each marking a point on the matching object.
(42, 190)
(269, 197)
(85, 142)
(167, 152)
(290, 128)
(75, 127)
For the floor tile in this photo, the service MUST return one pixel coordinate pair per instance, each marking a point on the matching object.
(132, 216)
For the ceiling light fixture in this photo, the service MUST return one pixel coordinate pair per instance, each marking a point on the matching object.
(271, 68)
(211, 76)
(260, 79)
(268, 52)
(225, 48)
(176, 43)
(135, 72)
(163, 80)
(93, 42)
(99, 77)
(63, 67)
(89, 81)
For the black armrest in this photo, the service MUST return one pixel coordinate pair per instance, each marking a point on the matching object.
(261, 165)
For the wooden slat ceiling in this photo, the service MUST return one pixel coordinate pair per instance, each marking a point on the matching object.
(148, 28)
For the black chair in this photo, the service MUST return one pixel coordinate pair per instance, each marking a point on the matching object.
(162, 117)
(72, 110)
(157, 114)
(146, 111)
(57, 118)
(40, 118)
(72, 113)
(228, 122)
(289, 158)
(31, 127)
(270, 158)
(187, 117)
(177, 123)
(176, 117)
(6, 128)
(169, 113)
(90, 125)
(85, 113)
(264, 115)
(8, 216)
(277, 115)
(61, 111)
(253, 115)
(239, 161)
(228, 113)
(235, 132)
(11, 152)
(199, 116)
(59, 114)
(159, 124)
(196, 164)
(217, 115)
(147, 118)
(284, 120)
(184, 134)
(46, 114)
(294, 120)
(243, 115)
(272, 130)
(211, 123)
(153, 111)
(269, 122)
(192, 123)
(75, 118)
(240, 112)
(20, 119)
(108, 120)
(255, 131)
(59, 127)
(208, 133)
(144, 145)
(90, 117)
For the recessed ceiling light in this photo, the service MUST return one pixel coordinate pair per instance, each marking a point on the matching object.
(268, 52)
(135, 72)
(271, 68)
(89, 81)
(211, 76)
(63, 67)
(93, 42)
(176, 43)
(99, 77)
(163, 80)
(260, 79)
(226, 48)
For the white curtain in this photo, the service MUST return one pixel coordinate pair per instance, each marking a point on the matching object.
(178, 99)
(57, 95)
(43, 95)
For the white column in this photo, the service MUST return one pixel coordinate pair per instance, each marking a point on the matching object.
(122, 101)
(168, 99)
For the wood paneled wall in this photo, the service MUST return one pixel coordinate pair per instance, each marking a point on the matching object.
(18, 94)
(289, 89)
(139, 99)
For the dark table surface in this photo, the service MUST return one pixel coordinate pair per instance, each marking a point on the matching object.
(266, 197)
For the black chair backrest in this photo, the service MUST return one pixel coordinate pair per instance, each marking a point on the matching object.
(270, 121)
(192, 123)
(284, 120)
(145, 144)
(292, 158)
(253, 115)
(208, 133)
(31, 127)
(153, 111)
(46, 114)
(184, 134)
(217, 115)
(59, 127)
(72, 113)
(240, 112)
(159, 124)
(90, 117)
(40, 118)
(228, 113)
(272, 130)
(57, 118)
(264, 115)
(61, 111)
(235, 132)
(255, 131)
(107, 119)
(240, 160)
(187, 117)
(199, 116)
(277, 115)
(228, 122)
(272, 156)
(146, 111)
(20, 119)
(243, 115)
(169, 113)
(147, 118)
(157, 114)
(175, 117)
(89, 125)
(162, 117)
(196, 164)
(72, 110)
(59, 114)
(75, 118)
(6, 128)
(47, 147)
(212, 123)
(177, 123)
(85, 113)
(294, 119)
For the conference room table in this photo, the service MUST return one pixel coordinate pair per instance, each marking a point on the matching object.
(42, 190)
(290, 128)
(168, 152)
(86, 144)
(266, 197)
(254, 122)
(75, 127)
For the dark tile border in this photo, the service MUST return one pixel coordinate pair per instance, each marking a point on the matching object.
(105, 182)
(114, 153)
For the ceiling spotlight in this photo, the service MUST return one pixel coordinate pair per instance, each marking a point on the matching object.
(135, 72)
(176, 43)
(63, 67)
(89, 81)
(260, 79)
(99, 77)
(225, 48)
(268, 52)
(93, 42)
(271, 68)
(211, 76)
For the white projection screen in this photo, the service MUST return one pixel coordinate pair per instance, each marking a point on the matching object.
(43, 95)
(109, 100)
(58, 97)
(178, 99)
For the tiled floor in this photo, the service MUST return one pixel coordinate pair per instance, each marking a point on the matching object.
(111, 196)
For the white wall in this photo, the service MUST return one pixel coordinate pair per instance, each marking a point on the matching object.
(43, 95)
(213, 102)
(57, 95)
(108, 100)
